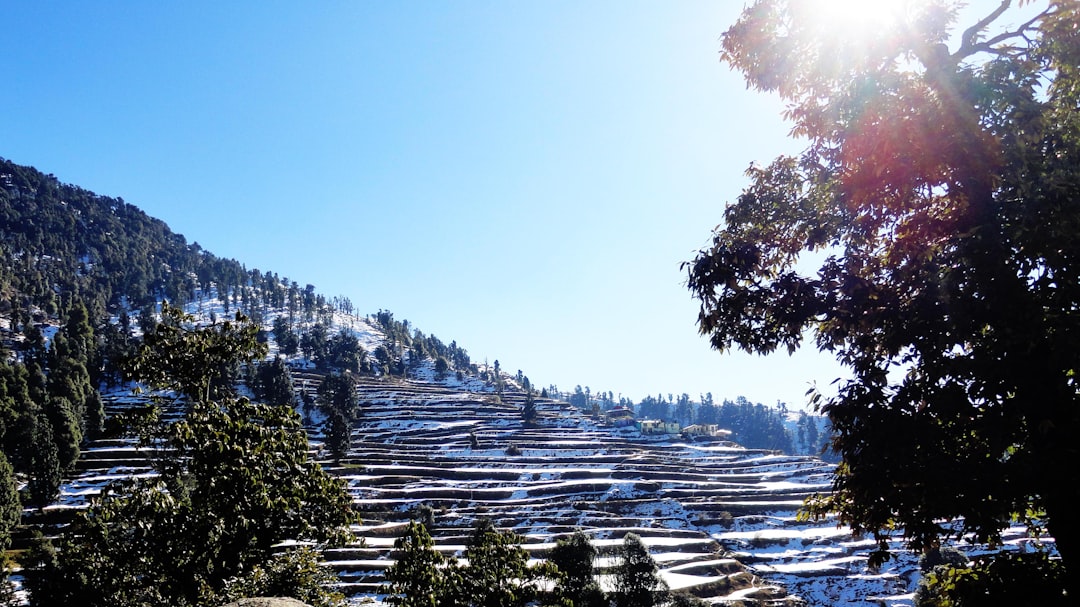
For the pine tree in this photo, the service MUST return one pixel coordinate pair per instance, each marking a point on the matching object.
(273, 383)
(65, 429)
(420, 576)
(45, 471)
(575, 559)
(338, 433)
(498, 572)
(528, 410)
(637, 577)
(10, 512)
(339, 403)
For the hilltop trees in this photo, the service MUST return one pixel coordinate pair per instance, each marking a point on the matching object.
(939, 198)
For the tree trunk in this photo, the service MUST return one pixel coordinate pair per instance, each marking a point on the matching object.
(1065, 529)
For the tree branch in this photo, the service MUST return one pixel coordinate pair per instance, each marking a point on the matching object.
(970, 45)
(971, 34)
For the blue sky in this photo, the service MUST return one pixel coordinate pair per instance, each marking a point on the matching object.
(524, 178)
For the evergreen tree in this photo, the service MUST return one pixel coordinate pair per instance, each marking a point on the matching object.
(94, 419)
(684, 410)
(441, 367)
(498, 572)
(421, 576)
(233, 483)
(68, 378)
(273, 383)
(17, 415)
(80, 335)
(339, 403)
(287, 341)
(575, 559)
(637, 577)
(338, 432)
(345, 354)
(10, 508)
(528, 410)
(65, 430)
(45, 471)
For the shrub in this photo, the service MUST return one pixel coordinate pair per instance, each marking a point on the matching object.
(996, 579)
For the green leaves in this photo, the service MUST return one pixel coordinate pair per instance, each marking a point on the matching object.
(420, 575)
(926, 237)
(637, 577)
(197, 363)
(233, 482)
(497, 573)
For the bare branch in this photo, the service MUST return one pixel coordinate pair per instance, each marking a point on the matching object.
(971, 34)
(971, 47)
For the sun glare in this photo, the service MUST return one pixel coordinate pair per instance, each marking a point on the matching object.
(853, 17)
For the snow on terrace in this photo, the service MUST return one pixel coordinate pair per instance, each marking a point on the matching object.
(695, 505)
(569, 472)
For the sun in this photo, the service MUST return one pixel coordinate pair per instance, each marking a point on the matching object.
(853, 17)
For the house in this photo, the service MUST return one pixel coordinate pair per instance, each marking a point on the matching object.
(706, 430)
(619, 416)
(655, 426)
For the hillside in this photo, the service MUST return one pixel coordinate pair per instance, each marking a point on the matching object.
(435, 430)
(719, 518)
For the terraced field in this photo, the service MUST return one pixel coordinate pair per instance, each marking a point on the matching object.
(718, 518)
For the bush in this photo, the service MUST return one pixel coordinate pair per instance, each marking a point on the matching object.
(942, 555)
(425, 515)
(725, 519)
(1014, 579)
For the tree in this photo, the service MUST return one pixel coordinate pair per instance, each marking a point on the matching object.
(528, 410)
(10, 512)
(421, 576)
(199, 363)
(637, 578)
(287, 341)
(575, 559)
(339, 402)
(273, 383)
(45, 471)
(441, 367)
(17, 415)
(65, 429)
(996, 579)
(498, 572)
(233, 482)
(938, 196)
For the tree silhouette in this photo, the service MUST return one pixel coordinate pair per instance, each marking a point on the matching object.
(938, 198)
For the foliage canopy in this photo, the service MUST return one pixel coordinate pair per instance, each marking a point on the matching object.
(938, 198)
(233, 482)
